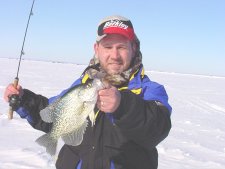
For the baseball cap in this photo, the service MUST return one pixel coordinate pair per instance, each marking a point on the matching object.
(115, 25)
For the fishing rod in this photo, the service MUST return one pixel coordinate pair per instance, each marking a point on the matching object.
(14, 100)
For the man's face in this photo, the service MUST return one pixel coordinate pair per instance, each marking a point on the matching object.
(115, 53)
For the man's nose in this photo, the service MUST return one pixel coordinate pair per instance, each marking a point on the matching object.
(115, 53)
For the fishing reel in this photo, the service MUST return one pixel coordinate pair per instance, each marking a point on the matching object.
(14, 102)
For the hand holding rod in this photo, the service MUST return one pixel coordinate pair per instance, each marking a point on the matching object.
(13, 101)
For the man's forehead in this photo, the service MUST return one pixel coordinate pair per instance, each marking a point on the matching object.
(112, 38)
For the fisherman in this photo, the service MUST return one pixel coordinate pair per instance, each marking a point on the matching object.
(132, 116)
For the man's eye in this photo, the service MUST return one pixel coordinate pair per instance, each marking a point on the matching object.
(107, 47)
(122, 47)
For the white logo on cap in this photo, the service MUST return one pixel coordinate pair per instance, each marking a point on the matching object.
(115, 23)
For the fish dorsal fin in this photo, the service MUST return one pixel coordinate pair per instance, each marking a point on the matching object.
(47, 114)
(76, 137)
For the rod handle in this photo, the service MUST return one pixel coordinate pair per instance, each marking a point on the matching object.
(16, 81)
(10, 113)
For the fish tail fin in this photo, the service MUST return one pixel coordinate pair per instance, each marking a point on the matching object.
(48, 142)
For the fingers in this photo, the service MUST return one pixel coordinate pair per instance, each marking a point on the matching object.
(104, 106)
(11, 90)
(108, 99)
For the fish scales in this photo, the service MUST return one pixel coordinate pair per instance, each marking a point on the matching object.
(68, 116)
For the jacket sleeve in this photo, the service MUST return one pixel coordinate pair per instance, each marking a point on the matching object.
(30, 106)
(146, 122)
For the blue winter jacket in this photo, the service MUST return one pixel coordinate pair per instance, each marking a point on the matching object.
(124, 139)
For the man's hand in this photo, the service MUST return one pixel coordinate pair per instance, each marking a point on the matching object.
(11, 90)
(108, 99)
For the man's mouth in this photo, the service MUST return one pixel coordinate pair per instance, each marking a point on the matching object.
(115, 63)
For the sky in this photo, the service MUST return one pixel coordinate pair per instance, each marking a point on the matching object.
(185, 36)
(196, 139)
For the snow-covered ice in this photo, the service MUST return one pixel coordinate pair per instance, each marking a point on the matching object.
(196, 140)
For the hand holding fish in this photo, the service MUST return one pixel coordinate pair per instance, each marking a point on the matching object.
(108, 99)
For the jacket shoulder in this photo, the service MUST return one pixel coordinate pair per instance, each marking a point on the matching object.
(74, 84)
(155, 91)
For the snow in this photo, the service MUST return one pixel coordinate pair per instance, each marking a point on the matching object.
(196, 140)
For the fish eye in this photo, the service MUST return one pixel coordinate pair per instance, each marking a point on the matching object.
(89, 85)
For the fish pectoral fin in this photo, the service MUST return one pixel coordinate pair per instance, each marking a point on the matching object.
(76, 137)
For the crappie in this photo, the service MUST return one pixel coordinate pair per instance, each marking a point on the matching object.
(68, 116)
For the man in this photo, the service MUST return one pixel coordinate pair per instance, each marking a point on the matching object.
(134, 114)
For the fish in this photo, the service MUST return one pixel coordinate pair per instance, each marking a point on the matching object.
(69, 114)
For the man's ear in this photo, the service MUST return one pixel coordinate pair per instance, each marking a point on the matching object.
(134, 46)
(96, 45)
